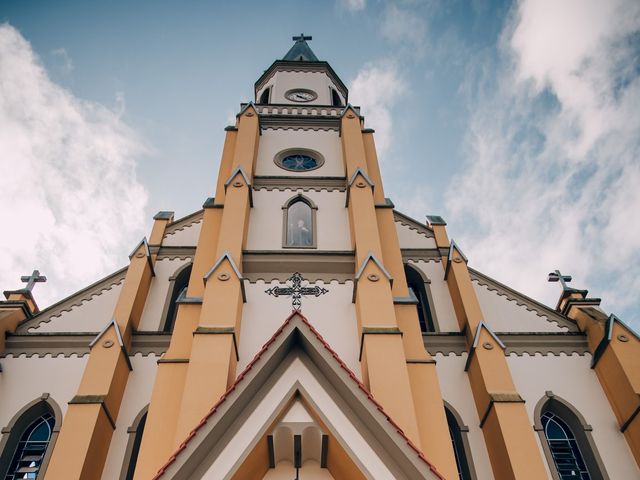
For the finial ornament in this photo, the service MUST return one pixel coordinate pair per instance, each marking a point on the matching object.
(301, 38)
(32, 279)
(296, 291)
(556, 276)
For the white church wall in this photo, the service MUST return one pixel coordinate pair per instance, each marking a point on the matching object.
(443, 305)
(571, 378)
(310, 470)
(266, 217)
(137, 395)
(184, 236)
(263, 314)
(456, 390)
(327, 143)
(158, 292)
(90, 316)
(505, 315)
(411, 238)
(25, 379)
(316, 81)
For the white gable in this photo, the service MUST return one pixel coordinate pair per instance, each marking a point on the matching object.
(184, 232)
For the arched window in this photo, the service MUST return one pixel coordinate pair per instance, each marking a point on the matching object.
(458, 432)
(180, 283)
(28, 440)
(264, 98)
(299, 223)
(566, 440)
(416, 283)
(135, 432)
(335, 99)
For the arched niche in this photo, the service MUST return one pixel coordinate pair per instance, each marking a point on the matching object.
(178, 283)
(419, 289)
(299, 224)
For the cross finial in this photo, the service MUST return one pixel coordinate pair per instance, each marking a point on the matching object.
(301, 38)
(32, 279)
(556, 276)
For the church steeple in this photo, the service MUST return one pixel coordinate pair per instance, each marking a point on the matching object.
(301, 51)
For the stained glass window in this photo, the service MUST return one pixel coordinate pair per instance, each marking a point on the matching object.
(299, 162)
(31, 449)
(564, 448)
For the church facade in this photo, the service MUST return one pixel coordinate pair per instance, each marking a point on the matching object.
(298, 326)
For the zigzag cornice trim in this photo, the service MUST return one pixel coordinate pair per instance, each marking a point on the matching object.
(412, 223)
(521, 300)
(74, 300)
(184, 222)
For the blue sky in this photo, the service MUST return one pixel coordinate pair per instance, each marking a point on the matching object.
(513, 120)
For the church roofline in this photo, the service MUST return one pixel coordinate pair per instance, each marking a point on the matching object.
(298, 66)
(294, 322)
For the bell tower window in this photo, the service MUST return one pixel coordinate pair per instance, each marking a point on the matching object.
(335, 99)
(299, 223)
(264, 97)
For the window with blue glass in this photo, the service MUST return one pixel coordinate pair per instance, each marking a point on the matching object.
(31, 449)
(299, 160)
(565, 451)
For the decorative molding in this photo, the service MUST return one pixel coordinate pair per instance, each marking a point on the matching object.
(74, 300)
(299, 122)
(543, 343)
(413, 224)
(416, 255)
(184, 222)
(176, 253)
(283, 183)
(70, 343)
(311, 67)
(522, 300)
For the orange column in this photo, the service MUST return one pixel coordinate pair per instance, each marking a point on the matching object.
(158, 441)
(510, 440)
(85, 436)
(382, 353)
(212, 363)
(616, 360)
(18, 306)
(425, 386)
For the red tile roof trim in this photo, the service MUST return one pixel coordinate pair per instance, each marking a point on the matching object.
(257, 357)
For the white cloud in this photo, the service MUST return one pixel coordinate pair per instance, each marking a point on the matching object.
(405, 27)
(376, 88)
(554, 153)
(70, 202)
(352, 5)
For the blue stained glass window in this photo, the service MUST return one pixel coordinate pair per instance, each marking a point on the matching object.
(299, 162)
(564, 448)
(31, 449)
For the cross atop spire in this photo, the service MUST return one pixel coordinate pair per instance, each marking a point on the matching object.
(301, 38)
(32, 279)
(301, 52)
(556, 276)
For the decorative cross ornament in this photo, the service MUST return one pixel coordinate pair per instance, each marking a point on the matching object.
(301, 38)
(296, 291)
(32, 279)
(556, 276)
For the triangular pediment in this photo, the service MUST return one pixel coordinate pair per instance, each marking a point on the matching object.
(296, 363)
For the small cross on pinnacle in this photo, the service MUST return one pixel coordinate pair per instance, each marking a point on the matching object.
(556, 276)
(32, 279)
(301, 38)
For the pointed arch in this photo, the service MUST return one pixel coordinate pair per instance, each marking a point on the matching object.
(26, 421)
(135, 432)
(459, 431)
(336, 101)
(299, 222)
(178, 282)
(265, 95)
(419, 288)
(571, 423)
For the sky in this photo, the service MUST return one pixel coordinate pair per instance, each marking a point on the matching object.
(518, 122)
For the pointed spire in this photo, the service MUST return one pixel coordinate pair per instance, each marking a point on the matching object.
(301, 52)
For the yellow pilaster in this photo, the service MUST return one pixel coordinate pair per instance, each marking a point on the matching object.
(213, 357)
(18, 306)
(510, 440)
(425, 386)
(382, 354)
(83, 443)
(616, 360)
(159, 436)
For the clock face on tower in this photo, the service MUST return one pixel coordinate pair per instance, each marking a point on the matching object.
(301, 95)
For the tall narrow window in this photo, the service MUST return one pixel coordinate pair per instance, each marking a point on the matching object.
(264, 98)
(567, 441)
(335, 99)
(299, 223)
(133, 445)
(28, 441)
(180, 284)
(459, 447)
(416, 285)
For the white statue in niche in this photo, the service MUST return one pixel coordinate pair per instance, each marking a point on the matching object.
(299, 225)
